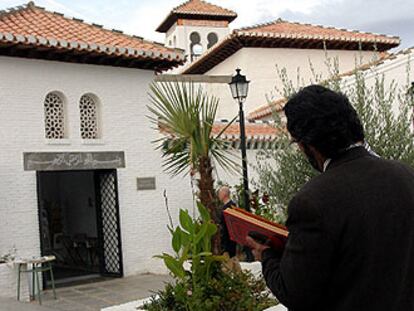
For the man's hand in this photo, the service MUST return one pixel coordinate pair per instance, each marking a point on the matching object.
(257, 248)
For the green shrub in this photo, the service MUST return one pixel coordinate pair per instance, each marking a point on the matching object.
(385, 110)
(214, 283)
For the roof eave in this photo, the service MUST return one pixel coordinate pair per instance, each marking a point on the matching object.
(206, 62)
(35, 47)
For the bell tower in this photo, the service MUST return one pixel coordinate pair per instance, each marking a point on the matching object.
(195, 26)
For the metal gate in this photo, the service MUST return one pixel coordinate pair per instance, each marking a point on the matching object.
(109, 230)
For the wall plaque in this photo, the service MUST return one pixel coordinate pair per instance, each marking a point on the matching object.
(64, 161)
(146, 183)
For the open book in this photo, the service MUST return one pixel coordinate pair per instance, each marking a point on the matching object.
(241, 224)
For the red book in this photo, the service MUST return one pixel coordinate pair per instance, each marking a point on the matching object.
(241, 224)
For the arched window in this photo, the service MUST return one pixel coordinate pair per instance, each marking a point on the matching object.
(212, 39)
(175, 41)
(54, 116)
(195, 46)
(88, 117)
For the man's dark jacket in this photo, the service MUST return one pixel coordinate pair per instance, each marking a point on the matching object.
(351, 241)
(227, 245)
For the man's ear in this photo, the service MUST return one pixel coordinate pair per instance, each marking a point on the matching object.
(301, 147)
(314, 156)
(318, 156)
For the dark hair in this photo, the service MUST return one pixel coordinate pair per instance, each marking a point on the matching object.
(324, 119)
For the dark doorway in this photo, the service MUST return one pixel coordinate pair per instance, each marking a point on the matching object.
(79, 224)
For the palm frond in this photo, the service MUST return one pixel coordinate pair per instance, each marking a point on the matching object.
(186, 114)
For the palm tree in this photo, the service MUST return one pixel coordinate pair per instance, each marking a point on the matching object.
(185, 114)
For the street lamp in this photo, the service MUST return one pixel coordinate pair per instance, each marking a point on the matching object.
(239, 87)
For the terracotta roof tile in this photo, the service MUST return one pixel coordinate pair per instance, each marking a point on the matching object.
(283, 34)
(37, 23)
(202, 7)
(254, 131)
(303, 30)
(266, 110)
(196, 9)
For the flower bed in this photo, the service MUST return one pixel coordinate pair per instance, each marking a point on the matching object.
(134, 305)
(203, 279)
(254, 268)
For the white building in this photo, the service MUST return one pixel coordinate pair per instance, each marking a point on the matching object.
(396, 70)
(79, 177)
(258, 49)
(195, 26)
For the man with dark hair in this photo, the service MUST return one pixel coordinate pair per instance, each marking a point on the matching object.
(351, 228)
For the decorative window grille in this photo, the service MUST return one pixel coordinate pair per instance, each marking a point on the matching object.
(54, 117)
(88, 117)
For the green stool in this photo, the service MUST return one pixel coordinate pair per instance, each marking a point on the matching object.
(39, 264)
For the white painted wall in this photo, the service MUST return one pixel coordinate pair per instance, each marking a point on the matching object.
(259, 65)
(123, 97)
(398, 71)
(233, 179)
(182, 34)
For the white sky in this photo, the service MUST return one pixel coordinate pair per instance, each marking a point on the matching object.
(141, 17)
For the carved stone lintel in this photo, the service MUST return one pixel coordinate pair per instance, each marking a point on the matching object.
(64, 161)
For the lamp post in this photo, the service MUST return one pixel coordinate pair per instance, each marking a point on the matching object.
(239, 87)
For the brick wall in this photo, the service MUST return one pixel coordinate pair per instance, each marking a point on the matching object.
(202, 22)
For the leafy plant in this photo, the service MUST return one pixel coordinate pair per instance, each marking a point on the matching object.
(385, 111)
(191, 241)
(233, 291)
(213, 283)
(9, 256)
(185, 114)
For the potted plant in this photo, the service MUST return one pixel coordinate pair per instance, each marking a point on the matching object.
(212, 283)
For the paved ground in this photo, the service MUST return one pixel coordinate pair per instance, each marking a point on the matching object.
(13, 305)
(92, 297)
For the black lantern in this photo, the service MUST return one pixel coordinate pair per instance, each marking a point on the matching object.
(239, 86)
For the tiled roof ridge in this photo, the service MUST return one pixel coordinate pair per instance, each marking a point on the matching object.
(266, 109)
(178, 8)
(246, 32)
(381, 61)
(280, 20)
(31, 5)
(267, 23)
(263, 131)
(247, 122)
(17, 8)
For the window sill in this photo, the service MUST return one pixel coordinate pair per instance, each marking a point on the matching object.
(63, 141)
(93, 142)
